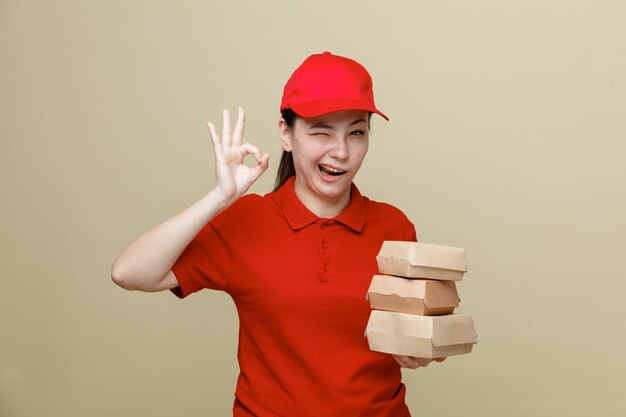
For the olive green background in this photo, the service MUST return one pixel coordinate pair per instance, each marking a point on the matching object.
(506, 138)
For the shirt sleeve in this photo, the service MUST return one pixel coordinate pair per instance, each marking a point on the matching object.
(207, 261)
(210, 259)
(408, 228)
(410, 233)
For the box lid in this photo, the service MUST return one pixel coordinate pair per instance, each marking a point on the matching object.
(425, 254)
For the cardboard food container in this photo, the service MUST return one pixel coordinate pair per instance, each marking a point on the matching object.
(422, 260)
(413, 296)
(420, 336)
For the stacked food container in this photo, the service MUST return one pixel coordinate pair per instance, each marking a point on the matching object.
(413, 302)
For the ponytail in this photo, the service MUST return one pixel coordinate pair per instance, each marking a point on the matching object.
(286, 169)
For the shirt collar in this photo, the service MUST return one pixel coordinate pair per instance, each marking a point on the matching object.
(298, 216)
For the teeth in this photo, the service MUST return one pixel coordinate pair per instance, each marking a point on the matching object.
(330, 170)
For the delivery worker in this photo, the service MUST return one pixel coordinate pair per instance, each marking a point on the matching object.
(298, 261)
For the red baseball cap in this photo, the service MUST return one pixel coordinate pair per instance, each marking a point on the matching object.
(325, 83)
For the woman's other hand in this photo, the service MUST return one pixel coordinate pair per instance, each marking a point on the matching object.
(413, 362)
(233, 177)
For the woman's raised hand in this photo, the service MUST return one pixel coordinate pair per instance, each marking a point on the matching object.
(232, 176)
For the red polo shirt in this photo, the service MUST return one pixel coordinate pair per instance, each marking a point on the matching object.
(299, 284)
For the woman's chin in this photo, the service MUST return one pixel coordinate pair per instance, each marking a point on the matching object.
(335, 188)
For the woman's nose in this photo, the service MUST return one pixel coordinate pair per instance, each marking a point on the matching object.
(339, 149)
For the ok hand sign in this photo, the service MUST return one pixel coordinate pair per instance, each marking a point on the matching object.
(233, 177)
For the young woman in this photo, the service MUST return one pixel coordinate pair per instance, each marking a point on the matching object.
(298, 261)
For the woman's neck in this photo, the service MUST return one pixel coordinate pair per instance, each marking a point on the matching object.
(325, 208)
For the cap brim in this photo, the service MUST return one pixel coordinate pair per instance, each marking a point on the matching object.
(317, 108)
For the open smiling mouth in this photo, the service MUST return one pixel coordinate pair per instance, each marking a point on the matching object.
(326, 170)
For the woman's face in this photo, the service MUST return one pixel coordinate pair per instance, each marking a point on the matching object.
(327, 153)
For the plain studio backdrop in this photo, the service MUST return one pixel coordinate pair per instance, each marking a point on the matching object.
(507, 138)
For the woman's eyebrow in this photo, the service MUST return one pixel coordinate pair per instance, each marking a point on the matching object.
(322, 125)
(357, 121)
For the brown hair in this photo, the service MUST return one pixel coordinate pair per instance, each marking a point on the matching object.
(286, 169)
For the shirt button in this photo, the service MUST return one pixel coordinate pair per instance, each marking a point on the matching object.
(322, 226)
(324, 244)
(325, 267)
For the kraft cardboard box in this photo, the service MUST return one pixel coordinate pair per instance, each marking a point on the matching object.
(420, 336)
(413, 296)
(422, 260)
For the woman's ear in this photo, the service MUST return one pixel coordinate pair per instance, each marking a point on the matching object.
(285, 135)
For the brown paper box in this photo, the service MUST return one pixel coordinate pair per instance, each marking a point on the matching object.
(413, 296)
(420, 336)
(422, 260)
